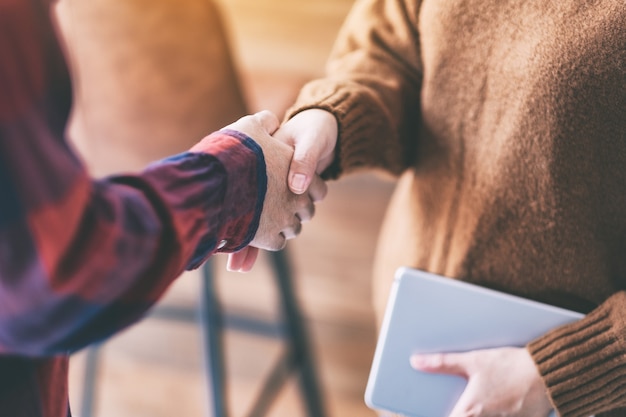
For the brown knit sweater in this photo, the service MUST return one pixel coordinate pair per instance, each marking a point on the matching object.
(507, 121)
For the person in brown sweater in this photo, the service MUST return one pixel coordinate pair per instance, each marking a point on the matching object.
(506, 124)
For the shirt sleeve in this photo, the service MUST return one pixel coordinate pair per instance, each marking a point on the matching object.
(372, 86)
(81, 259)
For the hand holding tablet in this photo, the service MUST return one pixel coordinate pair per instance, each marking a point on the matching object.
(426, 314)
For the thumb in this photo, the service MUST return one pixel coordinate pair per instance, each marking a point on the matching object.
(302, 168)
(304, 160)
(440, 363)
(268, 121)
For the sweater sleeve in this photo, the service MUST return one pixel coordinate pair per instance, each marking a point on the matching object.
(372, 87)
(583, 364)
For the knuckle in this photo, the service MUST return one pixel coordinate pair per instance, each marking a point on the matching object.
(297, 229)
(439, 360)
(292, 231)
(306, 161)
(306, 211)
(282, 242)
(310, 211)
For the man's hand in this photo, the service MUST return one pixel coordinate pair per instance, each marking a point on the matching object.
(502, 382)
(313, 135)
(283, 211)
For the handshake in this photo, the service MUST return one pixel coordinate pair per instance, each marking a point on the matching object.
(295, 154)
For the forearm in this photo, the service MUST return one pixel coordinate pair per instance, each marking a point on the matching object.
(93, 261)
(372, 87)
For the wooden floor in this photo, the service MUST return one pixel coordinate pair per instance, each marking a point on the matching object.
(155, 369)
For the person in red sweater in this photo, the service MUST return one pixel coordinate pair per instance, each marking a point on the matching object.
(81, 259)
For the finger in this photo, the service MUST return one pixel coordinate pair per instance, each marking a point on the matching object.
(235, 260)
(307, 212)
(303, 165)
(318, 189)
(280, 242)
(268, 120)
(250, 259)
(242, 261)
(304, 161)
(441, 363)
(293, 231)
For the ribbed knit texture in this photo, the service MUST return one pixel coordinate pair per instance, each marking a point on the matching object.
(566, 359)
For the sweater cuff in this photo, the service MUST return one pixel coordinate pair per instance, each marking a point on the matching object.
(356, 114)
(582, 364)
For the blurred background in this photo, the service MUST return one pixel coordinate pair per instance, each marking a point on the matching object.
(153, 77)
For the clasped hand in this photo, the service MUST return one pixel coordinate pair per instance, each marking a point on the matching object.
(283, 210)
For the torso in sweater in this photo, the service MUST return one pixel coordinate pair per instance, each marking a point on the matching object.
(520, 178)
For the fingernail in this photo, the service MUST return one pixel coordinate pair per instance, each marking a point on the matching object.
(297, 183)
(416, 361)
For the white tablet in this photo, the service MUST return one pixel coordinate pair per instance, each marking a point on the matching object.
(427, 313)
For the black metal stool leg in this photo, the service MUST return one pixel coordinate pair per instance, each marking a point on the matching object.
(212, 325)
(90, 381)
(298, 338)
(272, 385)
(298, 357)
